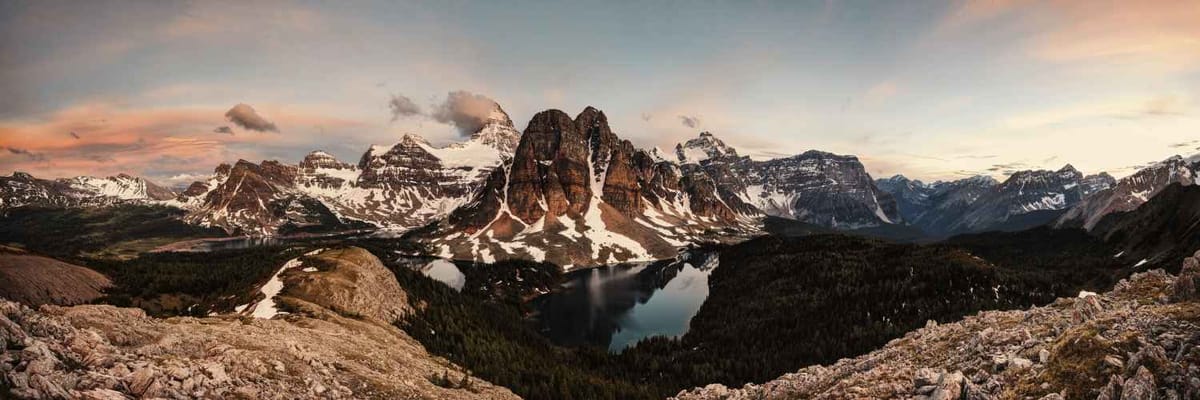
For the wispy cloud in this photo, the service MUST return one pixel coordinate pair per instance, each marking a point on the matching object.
(689, 121)
(26, 153)
(1189, 143)
(402, 106)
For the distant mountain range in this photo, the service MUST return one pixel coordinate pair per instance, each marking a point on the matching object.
(570, 191)
(22, 189)
(976, 204)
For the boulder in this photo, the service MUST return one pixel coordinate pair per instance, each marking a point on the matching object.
(1186, 284)
(1139, 387)
(1086, 308)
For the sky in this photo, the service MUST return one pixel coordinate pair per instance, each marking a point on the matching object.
(934, 90)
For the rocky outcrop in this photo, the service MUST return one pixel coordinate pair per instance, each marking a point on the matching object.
(1130, 343)
(106, 352)
(35, 280)
(1187, 286)
(351, 281)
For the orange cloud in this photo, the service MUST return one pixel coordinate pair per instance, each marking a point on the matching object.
(1161, 32)
(969, 12)
(1158, 34)
(152, 142)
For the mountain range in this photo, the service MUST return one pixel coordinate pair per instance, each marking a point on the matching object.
(572, 192)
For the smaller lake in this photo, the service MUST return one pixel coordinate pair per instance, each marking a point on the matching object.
(446, 272)
(246, 242)
(614, 307)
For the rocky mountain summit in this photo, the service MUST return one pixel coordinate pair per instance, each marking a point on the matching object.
(1138, 341)
(331, 343)
(815, 187)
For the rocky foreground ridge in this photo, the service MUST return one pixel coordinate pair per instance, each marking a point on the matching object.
(333, 342)
(1139, 341)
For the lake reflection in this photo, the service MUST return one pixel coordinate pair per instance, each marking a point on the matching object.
(616, 306)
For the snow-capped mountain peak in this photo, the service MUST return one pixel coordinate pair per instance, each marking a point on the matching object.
(22, 189)
(703, 148)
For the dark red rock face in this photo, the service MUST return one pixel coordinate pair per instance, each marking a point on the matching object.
(623, 183)
(551, 164)
(197, 188)
(664, 187)
(702, 192)
(593, 125)
(251, 189)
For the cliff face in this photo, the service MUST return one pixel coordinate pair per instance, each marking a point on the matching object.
(337, 341)
(1136, 342)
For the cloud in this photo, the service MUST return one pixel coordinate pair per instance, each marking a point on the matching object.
(647, 117)
(246, 117)
(1189, 143)
(223, 129)
(689, 121)
(100, 158)
(74, 135)
(183, 179)
(1008, 168)
(465, 110)
(1164, 106)
(29, 154)
(402, 106)
(1155, 35)
(1159, 33)
(881, 92)
(134, 140)
(924, 157)
(970, 12)
(1124, 108)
